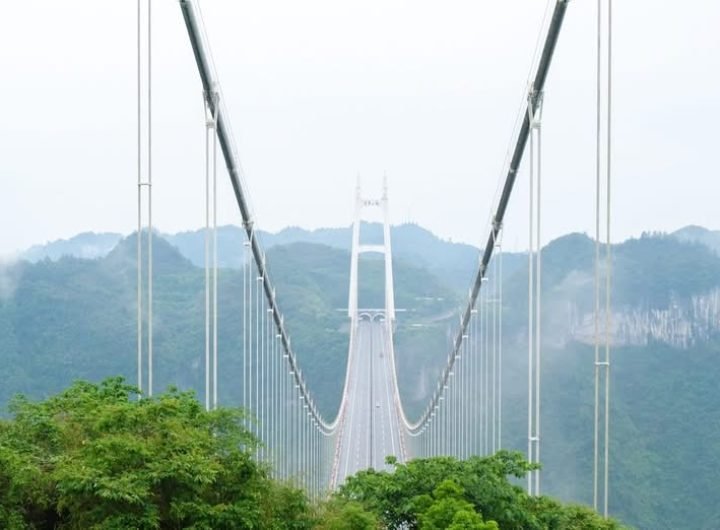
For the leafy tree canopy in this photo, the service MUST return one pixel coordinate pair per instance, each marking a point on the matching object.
(96, 457)
(444, 492)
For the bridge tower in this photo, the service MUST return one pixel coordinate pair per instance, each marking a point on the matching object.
(385, 248)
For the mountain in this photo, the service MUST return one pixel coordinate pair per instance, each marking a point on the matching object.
(456, 262)
(76, 318)
(665, 360)
(70, 318)
(87, 245)
(698, 234)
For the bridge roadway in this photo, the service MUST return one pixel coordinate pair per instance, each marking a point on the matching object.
(371, 430)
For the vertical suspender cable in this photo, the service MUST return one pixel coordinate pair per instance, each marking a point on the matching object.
(596, 365)
(460, 406)
(269, 389)
(481, 374)
(301, 437)
(150, 218)
(256, 347)
(480, 350)
(245, 330)
(207, 262)
(460, 416)
(298, 431)
(144, 182)
(494, 355)
(139, 201)
(531, 249)
(500, 342)
(462, 403)
(538, 292)
(285, 440)
(468, 394)
(215, 262)
(475, 378)
(608, 262)
(603, 147)
(446, 415)
(486, 369)
(472, 365)
(465, 395)
(456, 406)
(476, 365)
(269, 396)
(266, 379)
(282, 441)
(277, 393)
(471, 387)
(211, 255)
(261, 374)
(275, 398)
(535, 102)
(250, 332)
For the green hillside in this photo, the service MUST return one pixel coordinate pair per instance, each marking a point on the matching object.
(75, 318)
(665, 454)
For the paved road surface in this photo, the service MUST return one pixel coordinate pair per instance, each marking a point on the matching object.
(371, 429)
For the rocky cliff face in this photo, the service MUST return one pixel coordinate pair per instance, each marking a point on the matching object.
(684, 323)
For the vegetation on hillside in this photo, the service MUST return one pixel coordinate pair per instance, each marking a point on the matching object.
(75, 318)
(477, 493)
(95, 456)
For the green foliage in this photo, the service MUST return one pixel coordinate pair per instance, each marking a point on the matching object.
(96, 457)
(345, 515)
(444, 492)
(448, 509)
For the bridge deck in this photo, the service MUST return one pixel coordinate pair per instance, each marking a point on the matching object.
(371, 430)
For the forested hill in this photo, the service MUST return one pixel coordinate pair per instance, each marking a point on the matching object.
(75, 318)
(665, 364)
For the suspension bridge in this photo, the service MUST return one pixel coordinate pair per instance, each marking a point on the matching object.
(464, 414)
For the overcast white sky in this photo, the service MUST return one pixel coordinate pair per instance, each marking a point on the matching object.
(321, 90)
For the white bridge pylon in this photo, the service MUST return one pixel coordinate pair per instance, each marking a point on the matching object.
(385, 248)
(372, 423)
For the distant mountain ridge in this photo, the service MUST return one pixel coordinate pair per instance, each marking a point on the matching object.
(411, 242)
(698, 234)
(86, 245)
(457, 262)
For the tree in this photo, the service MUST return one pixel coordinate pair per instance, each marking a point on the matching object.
(95, 456)
(450, 510)
(444, 492)
(346, 516)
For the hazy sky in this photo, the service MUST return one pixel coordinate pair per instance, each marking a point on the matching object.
(321, 90)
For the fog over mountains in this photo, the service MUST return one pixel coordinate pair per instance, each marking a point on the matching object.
(67, 311)
(684, 321)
